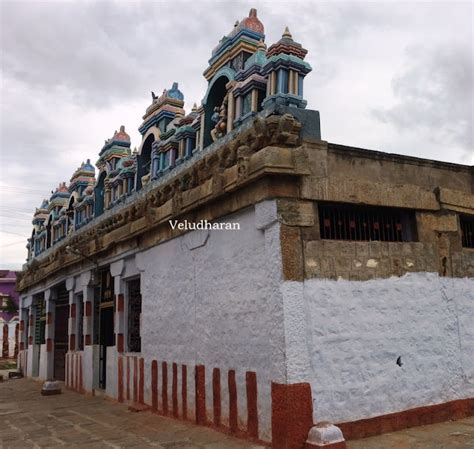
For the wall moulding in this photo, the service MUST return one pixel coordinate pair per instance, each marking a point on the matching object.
(241, 168)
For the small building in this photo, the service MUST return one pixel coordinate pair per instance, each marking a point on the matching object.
(9, 321)
(239, 271)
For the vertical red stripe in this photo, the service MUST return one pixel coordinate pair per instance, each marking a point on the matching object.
(216, 396)
(154, 385)
(164, 387)
(233, 423)
(252, 409)
(128, 378)
(78, 362)
(135, 379)
(141, 386)
(184, 390)
(175, 390)
(72, 342)
(120, 343)
(120, 379)
(200, 379)
(71, 358)
(292, 415)
(81, 388)
(73, 310)
(76, 380)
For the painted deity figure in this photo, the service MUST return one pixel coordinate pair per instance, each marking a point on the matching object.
(219, 117)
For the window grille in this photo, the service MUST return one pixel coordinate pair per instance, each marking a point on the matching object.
(134, 315)
(467, 231)
(366, 223)
(80, 322)
(40, 322)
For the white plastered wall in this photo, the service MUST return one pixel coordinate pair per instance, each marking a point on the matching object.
(212, 298)
(353, 333)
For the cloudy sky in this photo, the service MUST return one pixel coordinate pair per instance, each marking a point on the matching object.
(392, 76)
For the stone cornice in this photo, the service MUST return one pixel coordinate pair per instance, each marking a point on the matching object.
(267, 149)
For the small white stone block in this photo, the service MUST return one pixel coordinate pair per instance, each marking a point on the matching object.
(51, 387)
(324, 434)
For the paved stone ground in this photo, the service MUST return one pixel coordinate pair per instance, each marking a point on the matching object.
(72, 420)
(449, 435)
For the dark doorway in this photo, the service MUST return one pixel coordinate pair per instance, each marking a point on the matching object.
(106, 324)
(61, 334)
(99, 195)
(134, 316)
(144, 160)
(106, 340)
(214, 99)
(49, 231)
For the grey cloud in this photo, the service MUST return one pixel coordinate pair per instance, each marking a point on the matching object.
(435, 92)
(72, 72)
(106, 51)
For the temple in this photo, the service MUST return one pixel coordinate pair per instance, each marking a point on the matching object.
(244, 79)
(344, 295)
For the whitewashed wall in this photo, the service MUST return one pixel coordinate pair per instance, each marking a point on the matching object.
(213, 298)
(11, 335)
(355, 331)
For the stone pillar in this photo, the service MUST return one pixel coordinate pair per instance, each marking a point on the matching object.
(90, 355)
(291, 82)
(24, 322)
(15, 351)
(116, 270)
(88, 298)
(254, 100)
(292, 403)
(201, 137)
(238, 106)
(50, 299)
(72, 314)
(29, 342)
(5, 341)
(273, 81)
(230, 112)
(31, 326)
(295, 82)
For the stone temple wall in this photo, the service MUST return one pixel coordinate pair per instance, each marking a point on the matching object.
(196, 314)
(356, 332)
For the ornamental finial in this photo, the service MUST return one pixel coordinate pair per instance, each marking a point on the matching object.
(286, 34)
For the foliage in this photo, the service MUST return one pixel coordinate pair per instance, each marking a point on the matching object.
(10, 306)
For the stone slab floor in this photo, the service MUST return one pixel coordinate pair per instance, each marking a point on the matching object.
(72, 420)
(29, 420)
(448, 435)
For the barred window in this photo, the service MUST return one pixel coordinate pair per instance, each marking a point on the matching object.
(134, 316)
(80, 322)
(467, 231)
(40, 321)
(366, 223)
